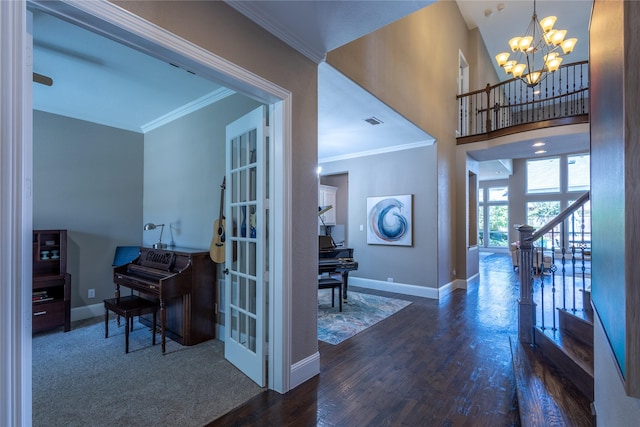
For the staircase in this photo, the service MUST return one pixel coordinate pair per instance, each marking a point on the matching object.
(570, 348)
(553, 354)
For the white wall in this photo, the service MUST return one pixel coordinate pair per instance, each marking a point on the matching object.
(613, 407)
(184, 167)
(87, 178)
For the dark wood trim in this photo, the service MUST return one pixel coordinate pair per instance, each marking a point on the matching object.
(524, 127)
(489, 87)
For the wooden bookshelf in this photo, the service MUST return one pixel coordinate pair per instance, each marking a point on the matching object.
(51, 304)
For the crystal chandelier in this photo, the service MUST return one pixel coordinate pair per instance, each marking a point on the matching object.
(538, 52)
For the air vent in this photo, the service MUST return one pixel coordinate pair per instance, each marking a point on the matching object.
(373, 121)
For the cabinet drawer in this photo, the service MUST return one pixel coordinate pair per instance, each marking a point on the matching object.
(48, 315)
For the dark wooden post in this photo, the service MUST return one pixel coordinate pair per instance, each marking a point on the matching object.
(526, 306)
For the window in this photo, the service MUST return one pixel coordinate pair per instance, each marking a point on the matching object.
(543, 176)
(580, 227)
(578, 172)
(498, 194)
(493, 216)
(539, 213)
(481, 224)
(498, 226)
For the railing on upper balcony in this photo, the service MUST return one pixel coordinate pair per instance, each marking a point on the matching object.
(555, 269)
(562, 94)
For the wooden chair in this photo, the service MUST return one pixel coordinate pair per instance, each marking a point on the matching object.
(129, 307)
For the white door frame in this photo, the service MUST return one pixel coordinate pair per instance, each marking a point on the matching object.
(16, 160)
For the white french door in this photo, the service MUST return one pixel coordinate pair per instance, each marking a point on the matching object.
(246, 245)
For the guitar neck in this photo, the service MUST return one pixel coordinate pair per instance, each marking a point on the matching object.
(223, 186)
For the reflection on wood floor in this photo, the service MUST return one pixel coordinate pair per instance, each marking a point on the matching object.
(434, 363)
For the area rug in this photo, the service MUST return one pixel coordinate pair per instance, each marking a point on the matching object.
(362, 311)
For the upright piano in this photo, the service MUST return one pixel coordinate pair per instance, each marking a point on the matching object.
(183, 282)
(335, 259)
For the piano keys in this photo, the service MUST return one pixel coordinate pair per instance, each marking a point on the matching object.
(183, 282)
(337, 260)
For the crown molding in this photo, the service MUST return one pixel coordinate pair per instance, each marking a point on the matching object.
(253, 13)
(384, 150)
(189, 108)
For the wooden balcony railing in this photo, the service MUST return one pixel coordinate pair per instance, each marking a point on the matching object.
(509, 107)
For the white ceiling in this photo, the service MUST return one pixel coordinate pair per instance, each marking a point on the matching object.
(317, 27)
(101, 81)
(342, 130)
(498, 26)
(86, 68)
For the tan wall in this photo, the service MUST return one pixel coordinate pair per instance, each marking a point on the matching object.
(391, 174)
(480, 63)
(218, 28)
(410, 66)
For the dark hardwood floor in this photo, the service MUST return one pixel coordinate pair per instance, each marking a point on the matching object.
(434, 363)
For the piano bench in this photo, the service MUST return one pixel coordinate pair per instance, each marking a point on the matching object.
(331, 283)
(129, 307)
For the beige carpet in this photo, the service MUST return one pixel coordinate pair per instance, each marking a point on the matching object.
(82, 379)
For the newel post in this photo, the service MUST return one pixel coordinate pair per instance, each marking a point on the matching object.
(526, 306)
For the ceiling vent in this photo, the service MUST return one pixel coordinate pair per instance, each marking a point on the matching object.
(373, 121)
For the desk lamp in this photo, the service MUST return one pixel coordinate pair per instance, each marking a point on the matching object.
(159, 244)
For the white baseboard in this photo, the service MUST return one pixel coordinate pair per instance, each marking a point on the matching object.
(471, 279)
(409, 289)
(87, 311)
(304, 370)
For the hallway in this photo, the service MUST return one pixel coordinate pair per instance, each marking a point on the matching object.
(435, 363)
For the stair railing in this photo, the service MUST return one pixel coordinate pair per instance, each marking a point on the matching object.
(540, 265)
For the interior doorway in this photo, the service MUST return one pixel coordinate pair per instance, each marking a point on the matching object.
(111, 20)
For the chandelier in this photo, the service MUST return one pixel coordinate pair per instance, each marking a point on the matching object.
(538, 52)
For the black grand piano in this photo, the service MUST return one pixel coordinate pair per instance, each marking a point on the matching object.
(336, 259)
(183, 282)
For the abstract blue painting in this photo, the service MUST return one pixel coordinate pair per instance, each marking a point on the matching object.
(389, 220)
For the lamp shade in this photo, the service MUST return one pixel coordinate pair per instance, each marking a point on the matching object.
(525, 43)
(533, 78)
(558, 36)
(508, 66)
(547, 23)
(502, 58)
(518, 70)
(514, 43)
(554, 64)
(568, 45)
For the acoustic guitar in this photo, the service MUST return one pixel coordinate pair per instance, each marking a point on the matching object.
(217, 250)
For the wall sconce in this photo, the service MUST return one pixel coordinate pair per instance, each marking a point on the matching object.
(159, 244)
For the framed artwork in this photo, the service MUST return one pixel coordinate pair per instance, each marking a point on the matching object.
(390, 220)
